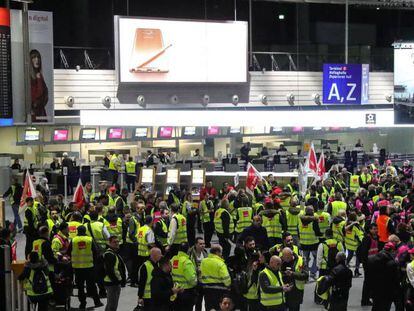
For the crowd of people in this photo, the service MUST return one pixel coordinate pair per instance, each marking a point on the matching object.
(270, 243)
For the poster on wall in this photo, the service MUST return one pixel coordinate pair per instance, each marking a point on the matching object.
(6, 104)
(404, 83)
(40, 67)
(345, 84)
(161, 50)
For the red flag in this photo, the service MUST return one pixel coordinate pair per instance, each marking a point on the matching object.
(321, 165)
(312, 161)
(79, 197)
(28, 190)
(252, 179)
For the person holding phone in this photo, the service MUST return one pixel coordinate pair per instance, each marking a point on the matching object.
(295, 273)
(271, 286)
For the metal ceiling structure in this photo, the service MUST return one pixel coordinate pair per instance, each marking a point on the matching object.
(386, 4)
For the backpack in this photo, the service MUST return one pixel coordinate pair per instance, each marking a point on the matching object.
(240, 283)
(39, 283)
(331, 258)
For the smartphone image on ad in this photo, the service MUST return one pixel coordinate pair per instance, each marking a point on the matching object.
(148, 52)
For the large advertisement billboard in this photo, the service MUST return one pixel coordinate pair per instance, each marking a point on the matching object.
(404, 83)
(40, 67)
(158, 50)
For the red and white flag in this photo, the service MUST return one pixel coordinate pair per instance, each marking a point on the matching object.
(29, 190)
(79, 196)
(252, 179)
(311, 161)
(321, 166)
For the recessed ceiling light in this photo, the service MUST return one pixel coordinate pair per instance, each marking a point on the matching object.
(281, 17)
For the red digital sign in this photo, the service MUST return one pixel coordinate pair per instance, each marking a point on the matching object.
(213, 130)
(115, 133)
(166, 132)
(60, 135)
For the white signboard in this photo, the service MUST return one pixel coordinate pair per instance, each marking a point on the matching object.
(173, 176)
(197, 176)
(147, 176)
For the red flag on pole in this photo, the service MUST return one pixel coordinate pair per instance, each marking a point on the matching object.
(321, 166)
(29, 190)
(79, 197)
(312, 164)
(252, 179)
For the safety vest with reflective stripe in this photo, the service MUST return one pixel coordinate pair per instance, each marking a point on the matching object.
(354, 183)
(214, 271)
(218, 223)
(130, 167)
(143, 249)
(149, 267)
(205, 214)
(245, 215)
(366, 178)
(13, 188)
(292, 223)
(291, 189)
(183, 271)
(33, 209)
(382, 223)
(300, 284)
(98, 235)
(73, 228)
(276, 299)
(112, 162)
(306, 234)
(175, 199)
(337, 229)
(116, 267)
(115, 229)
(29, 284)
(130, 234)
(353, 238)
(278, 248)
(181, 233)
(273, 226)
(165, 230)
(326, 245)
(60, 244)
(336, 207)
(323, 220)
(37, 247)
(82, 256)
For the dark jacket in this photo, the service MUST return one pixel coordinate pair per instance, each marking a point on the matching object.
(109, 265)
(142, 279)
(295, 296)
(384, 274)
(363, 250)
(161, 290)
(258, 233)
(340, 280)
(47, 252)
(17, 193)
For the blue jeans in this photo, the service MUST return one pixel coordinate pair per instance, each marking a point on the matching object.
(306, 256)
(17, 220)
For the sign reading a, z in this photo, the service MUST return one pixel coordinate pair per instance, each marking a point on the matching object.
(345, 84)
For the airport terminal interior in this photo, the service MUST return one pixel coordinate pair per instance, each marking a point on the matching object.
(200, 155)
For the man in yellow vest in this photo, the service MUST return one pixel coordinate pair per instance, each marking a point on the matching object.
(337, 226)
(145, 277)
(327, 251)
(177, 231)
(43, 247)
(131, 174)
(309, 234)
(244, 215)
(115, 276)
(30, 225)
(215, 277)
(15, 194)
(146, 240)
(365, 178)
(161, 229)
(288, 241)
(224, 225)
(207, 216)
(83, 254)
(295, 272)
(114, 166)
(130, 247)
(335, 206)
(271, 287)
(60, 242)
(354, 183)
(74, 224)
(184, 276)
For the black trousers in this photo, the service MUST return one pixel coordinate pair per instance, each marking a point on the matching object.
(383, 303)
(225, 244)
(29, 245)
(208, 228)
(199, 299)
(130, 181)
(366, 290)
(338, 303)
(86, 276)
(191, 230)
(129, 255)
(185, 301)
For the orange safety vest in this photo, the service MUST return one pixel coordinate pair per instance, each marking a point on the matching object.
(382, 223)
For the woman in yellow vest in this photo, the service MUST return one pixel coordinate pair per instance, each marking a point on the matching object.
(37, 283)
(353, 237)
(251, 295)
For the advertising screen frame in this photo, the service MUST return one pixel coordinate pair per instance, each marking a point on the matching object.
(59, 129)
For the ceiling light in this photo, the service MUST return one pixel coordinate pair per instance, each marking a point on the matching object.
(281, 17)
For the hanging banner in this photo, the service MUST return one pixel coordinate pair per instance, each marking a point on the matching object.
(40, 67)
(6, 104)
